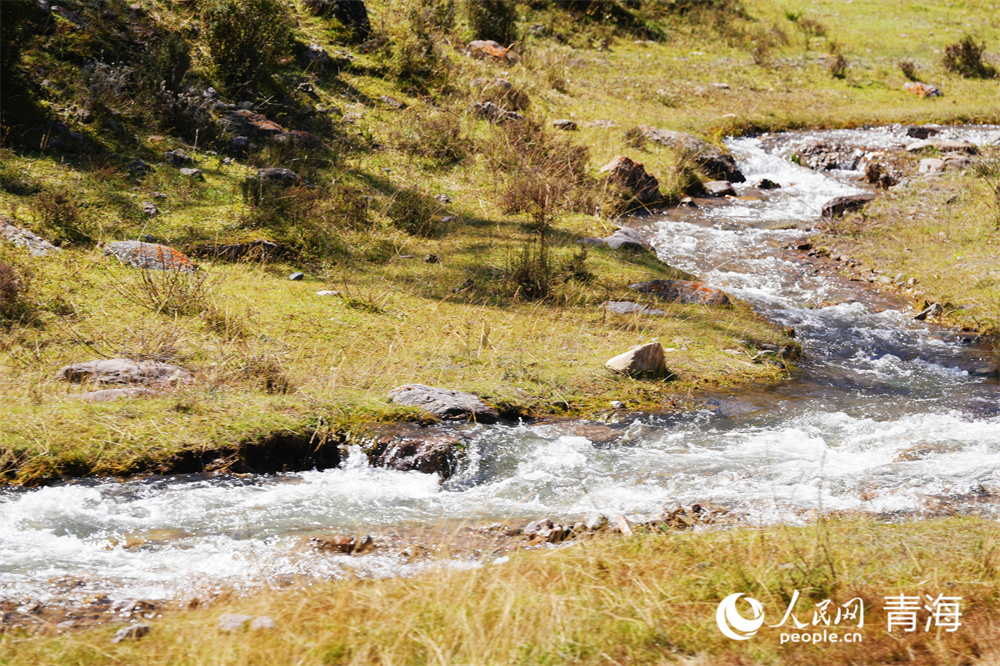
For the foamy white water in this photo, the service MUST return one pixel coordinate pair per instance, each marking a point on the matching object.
(884, 417)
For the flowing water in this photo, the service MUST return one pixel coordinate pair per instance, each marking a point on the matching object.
(884, 417)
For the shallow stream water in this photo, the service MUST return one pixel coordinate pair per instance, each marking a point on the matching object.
(884, 417)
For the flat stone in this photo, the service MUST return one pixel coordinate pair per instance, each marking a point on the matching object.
(487, 49)
(917, 146)
(642, 359)
(626, 238)
(110, 395)
(262, 623)
(233, 621)
(840, 205)
(132, 633)
(720, 188)
(36, 245)
(565, 125)
(628, 307)
(946, 146)
(295, 277)
(682, 291)
(931, 165)
(444, 403)
(281, 177)
(151, 256)
(494, 113)
(123, 371)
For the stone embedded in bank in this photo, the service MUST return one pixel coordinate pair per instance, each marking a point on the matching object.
(123, 371)
(151, 256)
(444, 403)
(682, 291)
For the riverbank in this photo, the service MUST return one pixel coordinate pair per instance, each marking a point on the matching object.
(430, 267)
(647, 598)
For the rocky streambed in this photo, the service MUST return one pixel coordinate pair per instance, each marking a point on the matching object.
(889, 414)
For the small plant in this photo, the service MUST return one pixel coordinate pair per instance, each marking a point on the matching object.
(437, 136)
(415, 55)
(171, 292)
(909, 70)
(793, 15)
(58, 213)
(965, 58)
(246, 38)
(492, 19)
(529, 274)
(267, 372)
(811, 28)
(838, 68)
(416, 213)
(14, 304)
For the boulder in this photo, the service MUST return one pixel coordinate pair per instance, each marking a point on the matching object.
(487, 49)
(280, 177)
(626, 238)
(715, 162)
(427, 452)
(931, 165)
(194, 174)
(946, 146)
(922, 89)
(682, 291)
(632, 177)
(628, 307)
(151, 256)
(494, 113)
(124, 371)
(719, 188)
(840, 205)
(352, 14)
(35, 244)
(641, 359)
(178, 158)
(444, 403)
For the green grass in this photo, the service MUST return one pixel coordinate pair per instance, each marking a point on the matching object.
(398, 319)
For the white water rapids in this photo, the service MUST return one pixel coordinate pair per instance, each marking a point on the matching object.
(875, 385)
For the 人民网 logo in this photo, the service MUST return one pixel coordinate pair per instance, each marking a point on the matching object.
(733, 624)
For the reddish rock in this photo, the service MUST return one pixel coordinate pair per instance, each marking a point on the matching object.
(487, 49)
(683, 291)
(150, 256)
(246, 122)
(922, 89)
(342, 544)
(632, 177)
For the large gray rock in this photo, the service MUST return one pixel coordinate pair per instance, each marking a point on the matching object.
(642, 359)
(626, 238)
(711, 159)
(37, 245)
(124, 371)
(444, 403)
(840, 205)
(150, 256)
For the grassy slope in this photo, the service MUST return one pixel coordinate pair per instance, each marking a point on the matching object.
(646, 599)
(401, 320)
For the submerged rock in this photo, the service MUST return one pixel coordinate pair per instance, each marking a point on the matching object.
(419, 449)
(720, 188)
(444, 403)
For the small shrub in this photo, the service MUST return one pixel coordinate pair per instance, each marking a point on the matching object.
(416, 213)
(246, 39)
(437, 136)
(167, 292)
(414, 55)
(793, 15)
(838, 68)
(634, 138)
(529, 275)
(107, 88)
(14, 304)
(909, 70)
(492, 19)
(965, 58)
(165, 64)
(811, 28)
(59, 215)
(267, 372)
